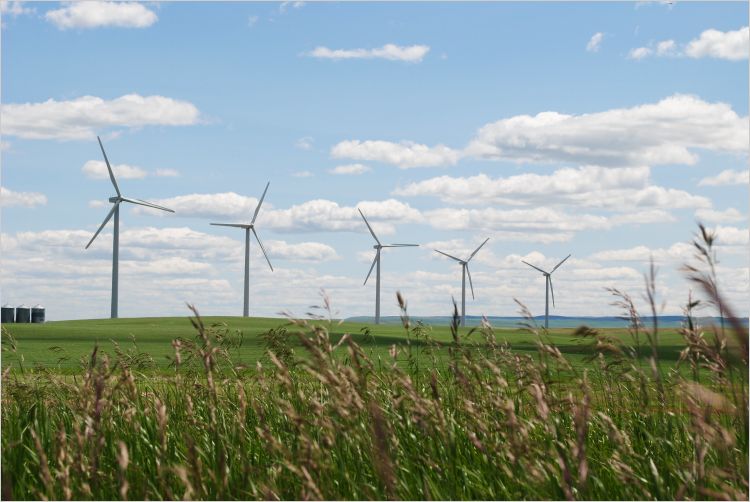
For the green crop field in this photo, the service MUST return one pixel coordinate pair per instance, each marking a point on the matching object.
(61, 345)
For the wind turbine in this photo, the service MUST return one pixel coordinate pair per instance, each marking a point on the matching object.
(464, 273)
(116, 200)
(378, 247)
(548, 288)
(249, 227)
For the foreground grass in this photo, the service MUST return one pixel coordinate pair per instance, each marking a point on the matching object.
(490, 424)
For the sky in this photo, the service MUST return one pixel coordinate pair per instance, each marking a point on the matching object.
(601, 130)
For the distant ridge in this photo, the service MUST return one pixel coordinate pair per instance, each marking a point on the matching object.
(670, 321)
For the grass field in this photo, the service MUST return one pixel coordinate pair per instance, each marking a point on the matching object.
(61, 345)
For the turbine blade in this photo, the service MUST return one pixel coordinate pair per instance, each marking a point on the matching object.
(371, 267)
(470, 283)
(401, 245)
(109, 168)
(563, 261)
(477, 249)
(260, 202)
(236, 225)
(106, 220)
(532, 266)
(368, 226)
(449, 256)
(551, 289)
(147, 204)
(262, 248)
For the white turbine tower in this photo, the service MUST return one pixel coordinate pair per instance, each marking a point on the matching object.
(376, 261)
(249, 227)
(116, 200)
(464, 273)
(548, 288)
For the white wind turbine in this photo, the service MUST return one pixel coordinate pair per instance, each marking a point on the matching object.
(464, 273)
(376, 261)
(249, 227)
(548, 288)
(116, 200)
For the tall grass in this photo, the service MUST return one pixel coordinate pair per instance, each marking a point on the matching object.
(333, 423)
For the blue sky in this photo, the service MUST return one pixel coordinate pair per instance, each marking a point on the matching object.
(599, 129)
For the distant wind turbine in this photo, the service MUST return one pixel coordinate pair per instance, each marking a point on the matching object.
(548, 288)
(116, 200)
(464, 273)
(376, 261)
(249, 227)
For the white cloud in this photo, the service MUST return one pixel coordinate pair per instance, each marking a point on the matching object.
(731, 236)
(252, 20)
(730, 215)
(15, 8)
(595, 42)
(731, 45)
(97, 169)
(304, 143)
(311, 216)
(167, 173)
(392, 52)
(678, 252)
(9, 198)
(727, 177)
(639, 53)
(350, 169)
(302, 174)
(667, 132)
(82, 118)
(617, 189)
(301, 251)
(405, 154)
(94, 14)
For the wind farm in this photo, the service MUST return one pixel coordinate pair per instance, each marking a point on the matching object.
(550, 199)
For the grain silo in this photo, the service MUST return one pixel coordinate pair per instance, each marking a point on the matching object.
(23, 314)
(8, 314)
(37, 313)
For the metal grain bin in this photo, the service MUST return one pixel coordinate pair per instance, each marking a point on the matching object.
(23, 314)
(37, 313)
(8, 315)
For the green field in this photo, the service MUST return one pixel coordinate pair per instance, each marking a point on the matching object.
(61, 345)
(471, 414)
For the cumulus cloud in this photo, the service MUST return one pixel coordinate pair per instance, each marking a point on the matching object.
(595, 42)
(82, 118)
(94, 14)
(97, 170)
(617, 189)
(391, 52)
(667, 132)
(301, 251)
(731, 45)
(350, 169)
(310, 216)
(678, 252)
(730, 215)
(405, 154)
(9, 198)
(302, 174)
(727, 177)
